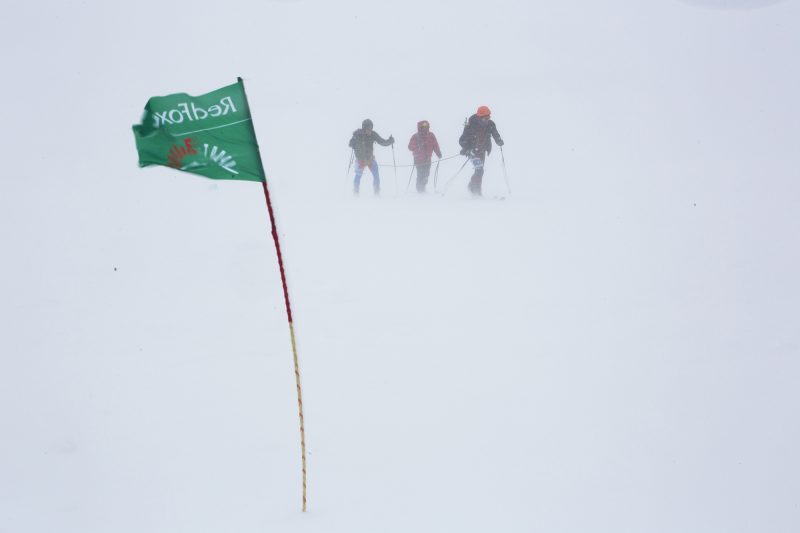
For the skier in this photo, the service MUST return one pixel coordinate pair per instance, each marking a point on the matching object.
(423, 144)
(361, 142)
(476, 142)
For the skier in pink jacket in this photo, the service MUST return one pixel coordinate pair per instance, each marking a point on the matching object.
(423, 144)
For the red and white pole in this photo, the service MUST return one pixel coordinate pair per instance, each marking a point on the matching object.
(291, 332)
(289, 315)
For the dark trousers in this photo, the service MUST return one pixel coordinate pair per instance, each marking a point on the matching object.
(476, 181)
(423, 171)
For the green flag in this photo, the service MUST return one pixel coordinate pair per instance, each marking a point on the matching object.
(211, 135)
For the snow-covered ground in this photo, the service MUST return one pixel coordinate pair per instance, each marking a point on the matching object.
(613, 347)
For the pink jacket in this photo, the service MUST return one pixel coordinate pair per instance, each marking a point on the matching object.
(423, 144)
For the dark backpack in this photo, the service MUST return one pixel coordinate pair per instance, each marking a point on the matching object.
(467, 138)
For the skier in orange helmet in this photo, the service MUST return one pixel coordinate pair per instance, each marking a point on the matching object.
(476, 143)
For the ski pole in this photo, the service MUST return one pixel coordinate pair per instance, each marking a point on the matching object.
(350, 164)
(409, 177)
(394, 164)
(446, 185)
(505, 174)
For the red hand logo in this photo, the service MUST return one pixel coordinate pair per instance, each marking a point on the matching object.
(177, 153)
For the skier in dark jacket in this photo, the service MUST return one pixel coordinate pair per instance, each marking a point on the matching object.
(362, 144)
(476, 142)
(423, 144)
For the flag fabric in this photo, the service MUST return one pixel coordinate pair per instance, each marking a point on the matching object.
(211, 135)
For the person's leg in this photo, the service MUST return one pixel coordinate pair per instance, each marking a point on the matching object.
(423, 171)
(477, 177)
(359, 171)
(376, 177)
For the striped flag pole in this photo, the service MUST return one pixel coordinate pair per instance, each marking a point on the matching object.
(291, 333)
(291, 324)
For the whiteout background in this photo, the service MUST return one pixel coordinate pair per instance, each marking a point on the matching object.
(612, 348)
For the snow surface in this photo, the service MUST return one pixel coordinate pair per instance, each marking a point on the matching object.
(613, 348)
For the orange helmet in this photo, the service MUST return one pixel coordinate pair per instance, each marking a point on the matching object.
(483, 111)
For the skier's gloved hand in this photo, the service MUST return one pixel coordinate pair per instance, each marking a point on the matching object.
(500, 142)
(391, 139)
(464, 151)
